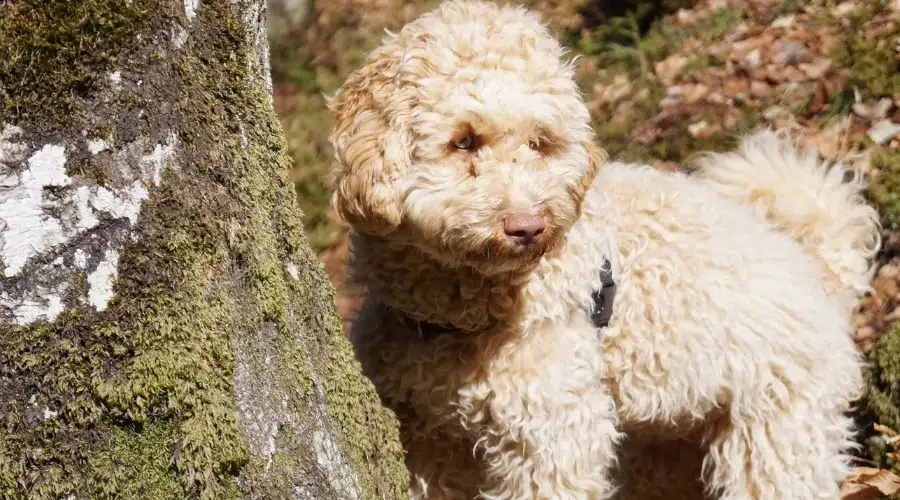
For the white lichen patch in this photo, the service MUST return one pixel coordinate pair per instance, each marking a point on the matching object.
(97, 145)
(190, 9)
(245, 140)
(89, 201)
(30, 310)
(44, 212)
(34, 218)
(48, 413)
(293, 271)
(27, 229)
(158, 158)
(80, 259)
(101, 280)
(179, 36)
(116, 78)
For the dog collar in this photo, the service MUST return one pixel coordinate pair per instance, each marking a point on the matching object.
(603, 298)
(600, 313)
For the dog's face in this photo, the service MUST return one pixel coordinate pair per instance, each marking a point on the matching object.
(465, 136)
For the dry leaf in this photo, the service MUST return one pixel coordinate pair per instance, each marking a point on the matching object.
(670, 68)
(868, 483)
(693, 92)
(760, 88)
(883, 130)
(735, 86)
(816, 69)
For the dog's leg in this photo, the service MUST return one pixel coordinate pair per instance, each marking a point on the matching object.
(546, 427)
(795, 452)
(440, 468)
(564, 453)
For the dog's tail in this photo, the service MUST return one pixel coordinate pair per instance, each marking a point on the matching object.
(813, 202)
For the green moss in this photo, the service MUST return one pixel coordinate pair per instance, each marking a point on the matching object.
(884, 189)
(203, 281)
(63, 50)
(786, 6)
(882, 395)
(140, 463)
(872, 61)
(367, 430)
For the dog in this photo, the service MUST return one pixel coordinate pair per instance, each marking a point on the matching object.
(543, 321)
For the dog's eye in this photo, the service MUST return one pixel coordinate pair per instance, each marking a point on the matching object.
(464, 143)
(533, 144)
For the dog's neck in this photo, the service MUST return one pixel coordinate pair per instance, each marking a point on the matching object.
(407, 280)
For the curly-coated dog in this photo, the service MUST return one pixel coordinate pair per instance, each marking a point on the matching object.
(492, 237)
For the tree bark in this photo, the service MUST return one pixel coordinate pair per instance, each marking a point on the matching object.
(165, 330)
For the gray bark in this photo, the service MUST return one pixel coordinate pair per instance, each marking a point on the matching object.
(165, 330)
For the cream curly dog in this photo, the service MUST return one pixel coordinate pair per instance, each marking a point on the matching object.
(484, 219)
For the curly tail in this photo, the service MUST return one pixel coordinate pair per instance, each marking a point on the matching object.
(811, 201)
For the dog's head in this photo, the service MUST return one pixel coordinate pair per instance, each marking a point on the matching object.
(466, 136)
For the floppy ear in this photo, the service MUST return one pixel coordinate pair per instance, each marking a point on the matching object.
(372, 143)
(596, 158)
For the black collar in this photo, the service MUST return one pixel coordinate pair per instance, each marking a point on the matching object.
(600, 313)
(428, 330)
(603, 298)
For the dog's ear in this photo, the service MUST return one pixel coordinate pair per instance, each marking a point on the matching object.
(372, 143)
(596, 158)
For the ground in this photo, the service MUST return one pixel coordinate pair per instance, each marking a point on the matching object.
(666, 79)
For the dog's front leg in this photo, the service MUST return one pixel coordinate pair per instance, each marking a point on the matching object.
(546, 428)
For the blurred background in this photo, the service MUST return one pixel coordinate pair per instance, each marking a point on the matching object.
(664, 79)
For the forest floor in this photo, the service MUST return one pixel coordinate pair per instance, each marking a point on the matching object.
(664, 81)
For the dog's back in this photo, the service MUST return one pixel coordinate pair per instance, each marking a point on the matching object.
(806, 199)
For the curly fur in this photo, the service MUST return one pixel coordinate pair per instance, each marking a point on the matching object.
(728, 363)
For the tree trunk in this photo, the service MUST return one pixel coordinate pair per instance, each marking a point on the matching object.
(165, 330)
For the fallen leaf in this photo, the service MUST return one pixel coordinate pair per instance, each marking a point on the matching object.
(735, 86)
(883, 429)
(816, 69)
(753, 59)
(774, 112)
(881, 109)
(760, 88)
(883, 130)
(873, 112)
(783, 22)
(702, 129)
(868, 483)
(693, 92)
(670, 67)
(685, 17)
(790, 52)
(845, 8)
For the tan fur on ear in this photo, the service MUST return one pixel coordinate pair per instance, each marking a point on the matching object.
(372, 141)
(596, 157)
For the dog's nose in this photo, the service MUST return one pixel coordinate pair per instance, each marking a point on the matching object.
(524, 228)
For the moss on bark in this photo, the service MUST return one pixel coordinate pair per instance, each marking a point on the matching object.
(141, 400)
